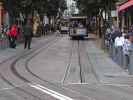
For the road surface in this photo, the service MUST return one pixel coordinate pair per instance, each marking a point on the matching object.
(57, 68)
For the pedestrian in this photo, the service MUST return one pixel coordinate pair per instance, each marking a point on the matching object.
(115, 33)
(39, 30)
(126, 53)
(28, 35)
(130, 50)
(131, 41)
(118, 49)
(42, 29)
(46, 29)
(12, 35)
(108, 37)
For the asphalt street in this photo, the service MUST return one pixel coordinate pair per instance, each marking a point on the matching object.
(58, 68)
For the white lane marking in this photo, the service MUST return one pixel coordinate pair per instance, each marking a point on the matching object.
(51, 92)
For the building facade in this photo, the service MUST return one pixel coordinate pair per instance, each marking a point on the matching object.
(125, 14)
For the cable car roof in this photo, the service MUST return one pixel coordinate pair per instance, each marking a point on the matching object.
(78, 17)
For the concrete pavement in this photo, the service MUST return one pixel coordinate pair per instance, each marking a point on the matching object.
(7, 92)
(76, 69)
(7, 53)
(102, 77)
(52, 63)
(107, 71)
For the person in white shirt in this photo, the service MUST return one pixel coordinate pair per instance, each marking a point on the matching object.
(119, 41)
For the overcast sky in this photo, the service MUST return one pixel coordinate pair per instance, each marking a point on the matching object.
(69, 2)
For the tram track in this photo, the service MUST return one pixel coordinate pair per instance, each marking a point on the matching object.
(91, 67)
(20, 53)
(13, 67)
(30, 55)
(82, 79)
(16, 73)
(83, 63)
(85, 58)
(77, 49)
(27, 80)
(81, 45)
(69, 63)
(59, 87)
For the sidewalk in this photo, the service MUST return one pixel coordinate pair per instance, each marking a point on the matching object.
(107, 71)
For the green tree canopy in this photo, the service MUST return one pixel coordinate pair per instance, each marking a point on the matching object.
(92, 6)
(42, 6)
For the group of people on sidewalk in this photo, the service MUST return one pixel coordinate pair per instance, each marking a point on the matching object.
(13, 33)
(120, 44)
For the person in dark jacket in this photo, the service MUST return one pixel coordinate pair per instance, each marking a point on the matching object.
(28, 35)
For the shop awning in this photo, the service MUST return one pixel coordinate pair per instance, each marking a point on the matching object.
(125, 5)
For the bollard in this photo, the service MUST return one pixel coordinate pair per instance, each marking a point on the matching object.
(130, 68)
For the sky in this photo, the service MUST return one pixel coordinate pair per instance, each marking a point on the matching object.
(69, 2)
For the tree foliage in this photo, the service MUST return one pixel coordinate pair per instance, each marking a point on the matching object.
(28, 6)
(93, 6)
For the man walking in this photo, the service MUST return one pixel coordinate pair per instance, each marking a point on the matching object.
(28, 34)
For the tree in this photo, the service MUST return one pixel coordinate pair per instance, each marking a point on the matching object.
(51, 7)
(94, 5)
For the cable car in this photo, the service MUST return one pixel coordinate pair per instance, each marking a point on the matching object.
(78, 27)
